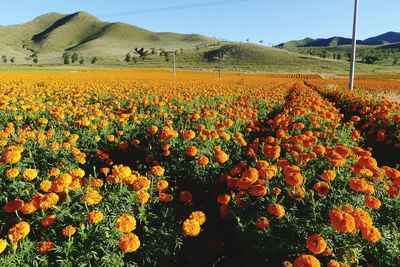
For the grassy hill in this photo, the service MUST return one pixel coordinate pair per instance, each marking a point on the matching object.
(53, 34)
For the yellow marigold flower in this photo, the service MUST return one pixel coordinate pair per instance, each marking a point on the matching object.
(11, 157)
(125, 223)
(19, 231)
(198, 216)
(45, 185)
(120, 172)
(30, 174)
(191, 227)
(129, 243)
(12, 173)
(62, 183)
(142, 196)
(92, 197)
(161, 185)
(3, 245)
(44, 247)
(68, 230)
(95, 217)
(157, 170)
(77, 172)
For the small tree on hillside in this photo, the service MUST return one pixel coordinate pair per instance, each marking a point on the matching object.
(12, 60)
(34, 57)
(4, 59)
(128, 58)
(74, 57)
(81, 61)
(165, 54)
(66, 58)
(94, 60)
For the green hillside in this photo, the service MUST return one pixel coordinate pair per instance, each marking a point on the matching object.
(51, 35)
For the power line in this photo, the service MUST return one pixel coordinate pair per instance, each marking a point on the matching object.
(173, 8)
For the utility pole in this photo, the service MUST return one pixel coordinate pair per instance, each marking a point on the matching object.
(354, 46)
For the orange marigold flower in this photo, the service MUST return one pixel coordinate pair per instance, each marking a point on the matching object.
(95, 217)
(276, 210)
(189, 135)
(371, 234)
(372, 202)
(322, 188)
(68, 230)
(272, 152)
(19, 231)
(125, 223)
(48, 220)
(294, 179)
(163, 197)
(252, 174)
(153, 129)
(191, 227)
(362, 218)
(307, 261)
(198, 216)
(358, 184)
(129, 243)
(262, 222)
(328, 175)
(191, 151)
(223, 199)
(203, 160)
(258, 190)
(342, 221)
(333, 263)
(44, 247)
(316, 244)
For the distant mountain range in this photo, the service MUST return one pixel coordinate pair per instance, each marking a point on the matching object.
(386, 40)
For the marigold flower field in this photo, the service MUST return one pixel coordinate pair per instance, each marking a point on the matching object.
(134, 168)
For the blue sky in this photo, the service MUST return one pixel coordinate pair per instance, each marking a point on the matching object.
(273, 21)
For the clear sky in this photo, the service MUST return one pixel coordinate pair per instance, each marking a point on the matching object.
(273, 21)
